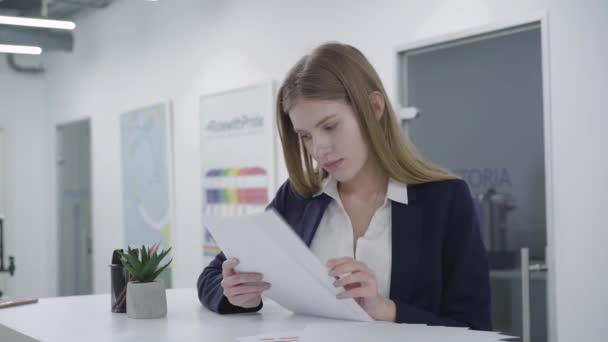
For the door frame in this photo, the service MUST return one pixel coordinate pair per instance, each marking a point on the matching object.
(542, 20)
(5, 174)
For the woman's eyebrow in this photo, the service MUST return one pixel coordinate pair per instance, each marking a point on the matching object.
(321, 122)
(331, 116)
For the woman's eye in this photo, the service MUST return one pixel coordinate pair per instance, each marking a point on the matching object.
(305, 137)
(330, 127)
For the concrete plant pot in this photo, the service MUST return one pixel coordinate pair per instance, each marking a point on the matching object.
(146, 300)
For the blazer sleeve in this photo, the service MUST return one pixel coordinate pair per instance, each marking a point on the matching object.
(466, 299)
(210, 291)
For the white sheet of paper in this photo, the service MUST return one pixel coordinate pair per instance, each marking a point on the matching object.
(385, 331)
(264, 243)
(285, 336)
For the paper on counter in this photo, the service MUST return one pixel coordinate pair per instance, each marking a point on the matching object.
(385, 331)
(264, 243)
(286, 336)
(377, 331)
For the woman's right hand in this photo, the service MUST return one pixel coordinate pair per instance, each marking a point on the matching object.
(242, 289)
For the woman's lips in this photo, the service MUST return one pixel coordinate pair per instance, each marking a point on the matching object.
(333, 164)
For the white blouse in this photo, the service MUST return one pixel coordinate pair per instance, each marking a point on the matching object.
(334, 236)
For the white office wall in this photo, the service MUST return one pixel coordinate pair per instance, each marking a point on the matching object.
(579, 84)
(138, 52)
(26, 181)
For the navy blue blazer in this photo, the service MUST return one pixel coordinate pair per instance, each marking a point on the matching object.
(439, 272)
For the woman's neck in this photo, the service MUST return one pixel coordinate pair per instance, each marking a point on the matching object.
(368, 183)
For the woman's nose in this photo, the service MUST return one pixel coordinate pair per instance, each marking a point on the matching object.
(320, 148)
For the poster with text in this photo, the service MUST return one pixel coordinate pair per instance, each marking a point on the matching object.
(237, 154)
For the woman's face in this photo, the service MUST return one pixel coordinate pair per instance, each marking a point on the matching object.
(330, 133)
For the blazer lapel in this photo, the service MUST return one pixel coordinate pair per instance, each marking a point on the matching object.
(406, 244)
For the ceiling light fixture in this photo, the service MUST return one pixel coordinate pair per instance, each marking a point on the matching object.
(22, 49)
(32, 22)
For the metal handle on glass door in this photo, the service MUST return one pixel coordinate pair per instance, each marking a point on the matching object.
(525, 295)
(526, 268)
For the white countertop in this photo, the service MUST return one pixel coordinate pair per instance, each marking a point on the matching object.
(88, 318)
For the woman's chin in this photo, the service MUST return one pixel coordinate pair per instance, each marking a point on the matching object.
(341, 175)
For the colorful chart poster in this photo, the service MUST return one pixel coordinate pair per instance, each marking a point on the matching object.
(237, 153)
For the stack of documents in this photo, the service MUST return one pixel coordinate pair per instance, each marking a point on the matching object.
(378, 331)
(264, 243)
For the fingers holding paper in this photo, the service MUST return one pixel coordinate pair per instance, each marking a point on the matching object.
(355, 277)
(359, 282)
(242, 289)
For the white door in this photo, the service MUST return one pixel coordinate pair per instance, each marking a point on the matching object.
(3, 265)
(74, 208)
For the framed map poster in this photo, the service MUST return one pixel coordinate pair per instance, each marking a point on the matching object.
(147, 177)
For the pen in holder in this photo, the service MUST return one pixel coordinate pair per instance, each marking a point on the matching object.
(119, 278)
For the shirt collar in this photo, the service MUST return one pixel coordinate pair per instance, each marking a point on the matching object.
(396, 191)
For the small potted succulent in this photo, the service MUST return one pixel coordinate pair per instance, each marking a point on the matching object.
(145, 295)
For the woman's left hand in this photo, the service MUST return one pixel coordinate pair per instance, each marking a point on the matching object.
(359, 282)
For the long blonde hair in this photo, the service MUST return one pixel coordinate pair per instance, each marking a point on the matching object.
(335, 71)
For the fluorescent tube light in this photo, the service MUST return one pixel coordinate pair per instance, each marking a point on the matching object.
(27, 50)
(32, 22)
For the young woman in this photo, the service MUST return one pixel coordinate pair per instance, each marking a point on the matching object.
(403, 231)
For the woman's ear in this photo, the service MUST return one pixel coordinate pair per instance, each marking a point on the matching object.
(376, 99)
